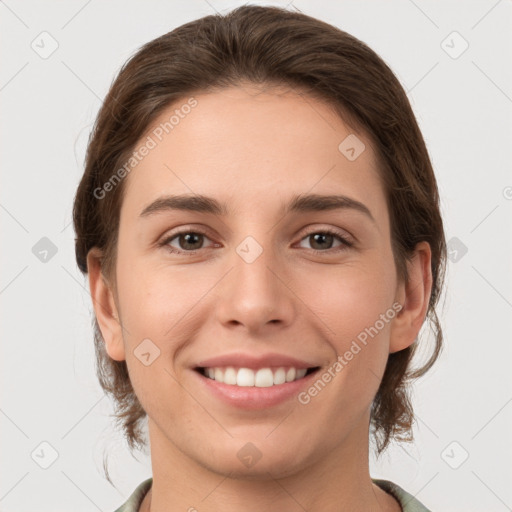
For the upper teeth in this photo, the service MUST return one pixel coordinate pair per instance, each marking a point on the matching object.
(262, 378)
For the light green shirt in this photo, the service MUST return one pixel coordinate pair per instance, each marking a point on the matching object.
(407, 502)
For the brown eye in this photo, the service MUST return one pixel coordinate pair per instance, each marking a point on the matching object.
(185, 241)
(190, 241)
(323, 241)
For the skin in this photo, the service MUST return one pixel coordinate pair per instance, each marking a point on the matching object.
(266, 146)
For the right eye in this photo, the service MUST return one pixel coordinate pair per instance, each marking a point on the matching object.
(188, 241)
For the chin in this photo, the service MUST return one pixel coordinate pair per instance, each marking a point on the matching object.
(257, 460)
(263, 470)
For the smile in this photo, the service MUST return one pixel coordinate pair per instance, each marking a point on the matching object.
(261, 378)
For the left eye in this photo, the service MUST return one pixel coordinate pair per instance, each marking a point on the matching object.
(327, 237)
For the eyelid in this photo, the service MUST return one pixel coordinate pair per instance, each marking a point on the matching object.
(315, 228)
(201, 230)
(347, 241)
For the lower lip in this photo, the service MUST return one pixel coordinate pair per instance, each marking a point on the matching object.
(252, 397)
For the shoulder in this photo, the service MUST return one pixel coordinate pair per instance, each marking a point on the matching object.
(408, 502)
(132, 504)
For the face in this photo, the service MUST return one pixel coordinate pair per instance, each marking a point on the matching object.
(253, 280)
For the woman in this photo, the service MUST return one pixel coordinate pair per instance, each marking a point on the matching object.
(226, 153)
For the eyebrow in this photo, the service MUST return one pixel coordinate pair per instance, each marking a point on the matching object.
(304, 203)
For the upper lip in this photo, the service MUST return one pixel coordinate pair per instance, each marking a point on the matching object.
(240, 360)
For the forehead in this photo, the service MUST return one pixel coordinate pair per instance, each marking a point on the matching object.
(245, 143)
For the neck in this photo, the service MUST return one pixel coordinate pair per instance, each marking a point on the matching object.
(338, 481)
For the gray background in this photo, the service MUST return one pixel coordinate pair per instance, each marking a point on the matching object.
(463, 102)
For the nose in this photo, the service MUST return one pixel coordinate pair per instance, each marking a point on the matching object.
(256, 294)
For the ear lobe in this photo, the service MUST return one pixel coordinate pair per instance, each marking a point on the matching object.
(414, 296)
(105, 307)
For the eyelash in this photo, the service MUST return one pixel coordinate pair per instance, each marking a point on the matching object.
(344, 241)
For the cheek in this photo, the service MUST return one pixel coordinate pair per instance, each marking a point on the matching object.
(354, 303)
(153, 309)
(351, 297)
(355, 308)
(152, 298)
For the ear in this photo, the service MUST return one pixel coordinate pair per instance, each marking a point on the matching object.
(105, 307)
(414, 297)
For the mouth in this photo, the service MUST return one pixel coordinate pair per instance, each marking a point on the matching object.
(254, 381)
(255, 377)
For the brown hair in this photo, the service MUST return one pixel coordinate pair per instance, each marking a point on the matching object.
(268, 46)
